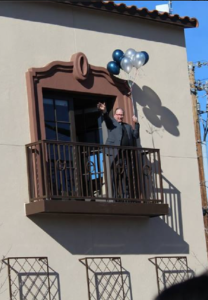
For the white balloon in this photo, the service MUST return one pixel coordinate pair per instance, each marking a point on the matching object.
(130, 53)
(139, 60)
(126, 64)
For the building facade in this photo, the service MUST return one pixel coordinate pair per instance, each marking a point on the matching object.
(67, 223)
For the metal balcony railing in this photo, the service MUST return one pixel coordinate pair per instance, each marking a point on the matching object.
(67, 170)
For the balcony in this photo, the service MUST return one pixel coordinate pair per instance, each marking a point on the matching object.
(78, 178)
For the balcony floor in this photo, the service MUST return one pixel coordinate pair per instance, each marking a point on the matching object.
(96, 208)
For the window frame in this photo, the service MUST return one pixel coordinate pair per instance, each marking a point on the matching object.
(76, 76)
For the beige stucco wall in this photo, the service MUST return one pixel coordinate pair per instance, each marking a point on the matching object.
(32, 35)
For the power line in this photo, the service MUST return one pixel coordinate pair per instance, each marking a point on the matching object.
(198, 86)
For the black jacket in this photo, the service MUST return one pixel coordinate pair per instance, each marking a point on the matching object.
(115, 131)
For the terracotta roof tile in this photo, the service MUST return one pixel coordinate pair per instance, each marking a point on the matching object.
(133, 11)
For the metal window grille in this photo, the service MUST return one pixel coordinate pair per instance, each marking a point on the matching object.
(171, 270)
(107, 279)
(29, 278)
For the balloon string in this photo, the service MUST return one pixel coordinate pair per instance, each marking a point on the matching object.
(131, 84)
(133, 104)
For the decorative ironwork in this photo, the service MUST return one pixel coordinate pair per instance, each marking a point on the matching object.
(60, 165)
(107, 279)
(147, 170)
(119, 168)
(171, 270)
(31, 278)
(90, 167)
(67, 170)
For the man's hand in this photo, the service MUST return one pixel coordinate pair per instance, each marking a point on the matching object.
(101, 106)
(134, 118)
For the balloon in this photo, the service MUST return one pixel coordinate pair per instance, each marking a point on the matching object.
(139, 60)
(126, 64)
(146, 57)
(118, 55)
(130, 53)
(113, 68)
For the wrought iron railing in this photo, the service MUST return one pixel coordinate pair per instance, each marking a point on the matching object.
(68, 170)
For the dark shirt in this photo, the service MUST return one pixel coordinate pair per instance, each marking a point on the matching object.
(125, 138)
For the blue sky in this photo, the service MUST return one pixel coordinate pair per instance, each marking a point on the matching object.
(196, 38)
(196, 45)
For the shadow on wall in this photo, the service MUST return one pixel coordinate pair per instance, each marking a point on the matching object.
(171, 270)
(31, 277)
(89, 20)
(107, 279)
(172, 197)
(157, 114)
(99, 235)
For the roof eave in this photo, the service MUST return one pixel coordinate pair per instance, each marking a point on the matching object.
(133, 11)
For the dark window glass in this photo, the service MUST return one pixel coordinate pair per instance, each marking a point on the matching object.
(92, 120)
(80, 123)
(48, 109)
(90, 137)
(62, 110)
(50, 130)
(63, 132)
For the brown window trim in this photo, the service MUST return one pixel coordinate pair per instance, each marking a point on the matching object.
(76, 76)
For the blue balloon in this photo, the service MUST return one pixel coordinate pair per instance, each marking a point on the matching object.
(146, 57)
(113, 68)
(118, 55)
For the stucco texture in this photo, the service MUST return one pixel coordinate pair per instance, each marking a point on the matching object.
(35, 34)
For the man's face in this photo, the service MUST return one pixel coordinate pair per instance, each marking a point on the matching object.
(119, 115)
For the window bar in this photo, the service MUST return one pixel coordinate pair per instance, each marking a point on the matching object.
(89, 172)
(36, 172)
(99, 167)
(160, 175)
(122, 279)
(30, 172)
(44, 170)
(142, 175)
(60, 169)
(127, 173)
(146, 176)
(33, 164)
(123, 177)
(48, 275)
(157, 272)
(153, 175)
(137, 174)
(50, 167)
(65, 169)
(133, 173)
(55, 167)
(118, 173)
(85, 170)
(156, 175)
(88, 280)
(151, 187)
(96, 174)
(9, 276)
(113, 173)
(80, 170)
(105, 173)
(70, 169)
